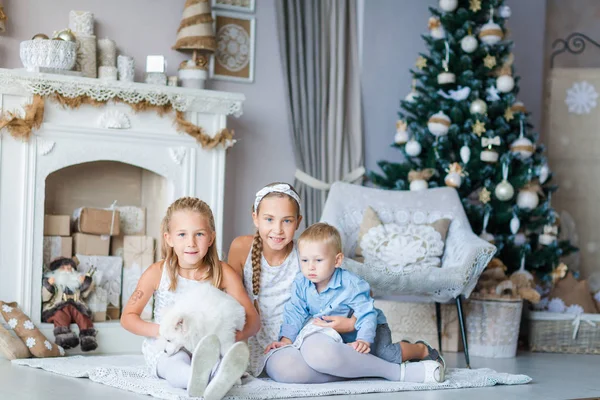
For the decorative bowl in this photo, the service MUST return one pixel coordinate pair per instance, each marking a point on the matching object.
(57, 54)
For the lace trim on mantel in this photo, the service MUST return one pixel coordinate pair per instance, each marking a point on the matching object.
(180, 98)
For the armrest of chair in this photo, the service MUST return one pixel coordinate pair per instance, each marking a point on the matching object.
(469, 254)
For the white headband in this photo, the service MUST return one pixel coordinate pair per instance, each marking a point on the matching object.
(279, 188)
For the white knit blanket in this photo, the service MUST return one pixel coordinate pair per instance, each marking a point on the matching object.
(127, 372)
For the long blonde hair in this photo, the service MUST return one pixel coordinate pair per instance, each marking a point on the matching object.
(214, 271)
(257, 244)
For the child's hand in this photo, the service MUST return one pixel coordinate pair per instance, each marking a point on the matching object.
(360, 346)
(339, 324)
(275, 345)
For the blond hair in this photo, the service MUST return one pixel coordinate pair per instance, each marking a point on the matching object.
(322, 232)
(211, 260)
(257, 244)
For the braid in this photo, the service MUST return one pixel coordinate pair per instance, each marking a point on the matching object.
(257, 247)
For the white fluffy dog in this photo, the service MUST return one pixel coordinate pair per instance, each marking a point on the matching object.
(201, 311)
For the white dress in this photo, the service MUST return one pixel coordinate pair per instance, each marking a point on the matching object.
(163, 298)
(275, 286)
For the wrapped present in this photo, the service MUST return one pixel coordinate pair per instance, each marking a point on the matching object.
(96, 221)
(132, 220)
(98, 302)
(111, 269)
(417, 321)
(138, 255)
(90, 245)
(57, 246)
(57, 225)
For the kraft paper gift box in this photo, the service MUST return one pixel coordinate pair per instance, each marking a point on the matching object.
(132, 220)
(416, 321)
(96, 221)
(57, 246)
(57, 225)
(111, 269)
(90, 245)
(138, 255)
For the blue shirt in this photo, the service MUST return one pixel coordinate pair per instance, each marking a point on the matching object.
(344, 292)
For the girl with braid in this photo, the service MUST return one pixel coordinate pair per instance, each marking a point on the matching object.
(190, 259)
(269, 264)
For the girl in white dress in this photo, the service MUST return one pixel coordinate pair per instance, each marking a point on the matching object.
(190, 257)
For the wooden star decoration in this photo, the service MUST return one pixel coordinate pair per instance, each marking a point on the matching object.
(489, 61)
(478, 128)
(474, 5)
(421, 62)
(485, 196)
(509, 115)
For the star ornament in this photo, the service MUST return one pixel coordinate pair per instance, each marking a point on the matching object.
(485, 196)
(478, 128)
(421, 62)
(509, 115)
(489, 61)
(474, 5)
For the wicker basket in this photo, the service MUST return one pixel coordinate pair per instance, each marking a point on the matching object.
(493, 327)
(564, 333)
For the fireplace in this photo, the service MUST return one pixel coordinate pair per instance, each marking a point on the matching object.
(92, 156)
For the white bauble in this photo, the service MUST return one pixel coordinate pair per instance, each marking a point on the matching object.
(489, 156)
(469, 44)
(413, 148)
(453, 179)
(401, 137)
(504, 11)
(445, 78)
(418, 184)
(515, 224)
(438, 33)
(491, 33)
(412, 96)
(544, 173)
(546, 240)
(448, 5)
(504, 191)
(465, 154)
(439, 123)
(527, 199)
(505, 83)
(522, 148)
(478, 107)
(488, 237)
(520, 239)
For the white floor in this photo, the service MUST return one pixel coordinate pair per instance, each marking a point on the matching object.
(555, 376)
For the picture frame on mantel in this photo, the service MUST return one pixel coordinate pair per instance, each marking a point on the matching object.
(234, 58)
(247, 6)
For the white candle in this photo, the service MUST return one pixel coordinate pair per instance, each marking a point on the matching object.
(126, 67)
(107, 73)
(107, 52)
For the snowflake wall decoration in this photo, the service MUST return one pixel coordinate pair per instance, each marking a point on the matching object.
(581, 98)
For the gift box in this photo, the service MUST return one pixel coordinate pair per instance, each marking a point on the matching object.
(417, 321)
(109, 270)
(138, 255)
(116, 245)
(113, 313)
(132, 220)
(96, 221)
(90, 245)
(98, 302)
(57, 246)
(57, 225)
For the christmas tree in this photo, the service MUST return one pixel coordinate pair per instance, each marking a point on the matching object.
(463, 126)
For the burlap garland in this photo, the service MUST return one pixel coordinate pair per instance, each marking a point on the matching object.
(21, 128)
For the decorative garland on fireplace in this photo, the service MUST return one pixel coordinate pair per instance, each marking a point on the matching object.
(21, 127)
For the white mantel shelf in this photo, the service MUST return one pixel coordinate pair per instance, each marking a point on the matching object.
(19, 81)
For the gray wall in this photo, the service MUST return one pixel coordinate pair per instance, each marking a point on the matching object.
(391, 43)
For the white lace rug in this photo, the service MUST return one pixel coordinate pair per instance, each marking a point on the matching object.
(128, 373)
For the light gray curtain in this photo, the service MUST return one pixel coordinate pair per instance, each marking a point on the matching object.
(319, 51)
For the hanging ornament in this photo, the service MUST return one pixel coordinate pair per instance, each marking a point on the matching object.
(491, 33)
(508, 114)
(544, 173)
(421, 62)
(549, 235)
(515, 224)
(492, 94)
(455, 174)
(520, 239)
(522, 147)
(436, 30)
(446, 77)
(401, 136)
(504, 11)
(489, 61)
(478, 107)
(504, 190)
(469, 43)
(528, 197)
(489, 155)
(485, 235)
(478, 127)
(485, 196)
(413, 148)
(505, 83)
(412, 96)
(465, 154)
(418, 179)
(439, 123)
(474, 5)
(518, 106)
(448, 5)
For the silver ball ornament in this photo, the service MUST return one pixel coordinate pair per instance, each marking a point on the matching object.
(448, 5)
(527, 199)
(505, 83)
(504, 191)
(469, 44)
(413, 148)
(478, 107)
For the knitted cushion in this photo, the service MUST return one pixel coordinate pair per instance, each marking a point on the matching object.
(35, 340)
